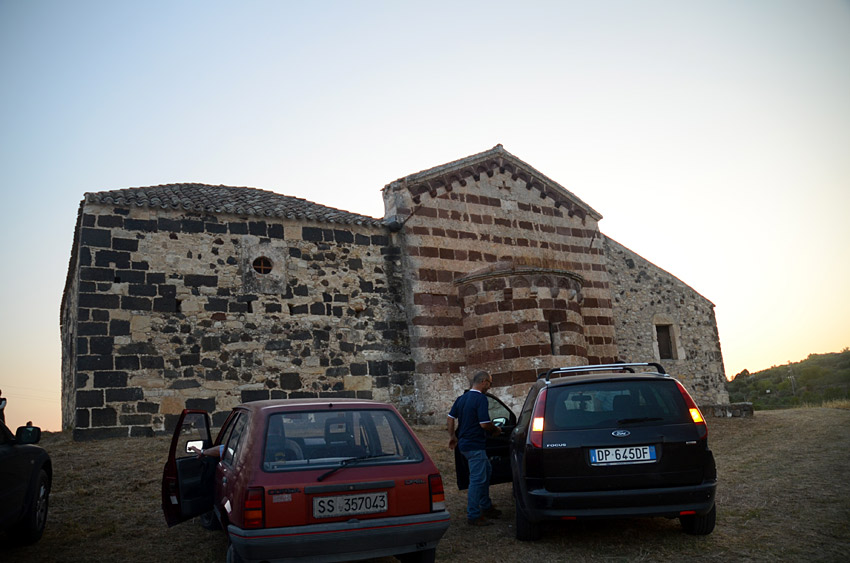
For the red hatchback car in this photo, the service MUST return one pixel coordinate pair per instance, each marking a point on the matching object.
(308, 479)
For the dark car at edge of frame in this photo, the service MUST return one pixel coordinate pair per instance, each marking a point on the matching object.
(26, 474)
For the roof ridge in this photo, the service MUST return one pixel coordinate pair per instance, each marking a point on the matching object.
(241, 200)
(496, 158)
(455, 164)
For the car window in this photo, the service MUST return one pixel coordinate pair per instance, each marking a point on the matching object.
(295, 439)
(525, 413)
(234, 438)
(601, 404)
(227, 429)
(497, 409)
(194, 429)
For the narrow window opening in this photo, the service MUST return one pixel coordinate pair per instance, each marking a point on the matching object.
(552, 339)
(262, 265)
(665, 342)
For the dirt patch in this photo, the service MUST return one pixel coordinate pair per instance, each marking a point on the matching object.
(782, 495)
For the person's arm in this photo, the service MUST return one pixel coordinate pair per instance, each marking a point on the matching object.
(214, 452)
(451, 421)
(491, 428)
(450, 426)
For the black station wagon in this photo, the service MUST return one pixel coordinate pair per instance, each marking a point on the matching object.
(603, 441)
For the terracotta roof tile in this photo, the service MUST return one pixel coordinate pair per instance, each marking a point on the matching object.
(227, 199)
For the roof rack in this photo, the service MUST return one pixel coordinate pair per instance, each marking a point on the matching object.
(601, 367)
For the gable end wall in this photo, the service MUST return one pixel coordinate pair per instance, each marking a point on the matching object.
(482, 223)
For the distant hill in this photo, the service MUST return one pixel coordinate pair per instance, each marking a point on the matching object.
(818, 378)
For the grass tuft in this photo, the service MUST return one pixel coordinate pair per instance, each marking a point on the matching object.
(833, 404)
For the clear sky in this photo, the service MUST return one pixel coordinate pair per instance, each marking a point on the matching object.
(714, 136)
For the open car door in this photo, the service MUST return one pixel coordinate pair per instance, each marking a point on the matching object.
(498, 448)
(187, 483)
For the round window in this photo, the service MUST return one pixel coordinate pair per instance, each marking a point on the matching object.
(262, 265)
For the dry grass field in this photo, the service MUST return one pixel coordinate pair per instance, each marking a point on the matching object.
(783, 495)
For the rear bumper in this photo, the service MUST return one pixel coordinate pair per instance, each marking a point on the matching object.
(341, 541)
(540, 504)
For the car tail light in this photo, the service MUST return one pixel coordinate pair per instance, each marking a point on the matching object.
(438, 497)
(694, 411)
(253, 512)
(536, 434)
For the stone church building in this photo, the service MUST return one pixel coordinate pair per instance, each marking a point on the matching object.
(190, 295)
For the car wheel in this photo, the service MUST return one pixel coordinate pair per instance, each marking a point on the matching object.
(699, 524)
(209, 521)
(30, 529)
(526, 530)
(424, 556)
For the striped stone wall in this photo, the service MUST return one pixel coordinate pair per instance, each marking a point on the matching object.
(492, 221)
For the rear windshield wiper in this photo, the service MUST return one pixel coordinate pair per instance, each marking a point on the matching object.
(632, 420)
(349, 461)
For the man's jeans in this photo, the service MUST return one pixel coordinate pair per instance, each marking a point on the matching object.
(478, 496)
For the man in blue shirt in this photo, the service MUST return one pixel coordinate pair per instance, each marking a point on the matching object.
(471, 413)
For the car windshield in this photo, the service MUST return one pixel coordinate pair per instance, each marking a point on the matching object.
(614, 403)
(324, 438)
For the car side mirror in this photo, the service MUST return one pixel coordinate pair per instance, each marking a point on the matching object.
(194, 446)
(28, 434)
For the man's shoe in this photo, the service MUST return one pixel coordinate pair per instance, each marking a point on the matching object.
(480, 521)
(492, 512)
